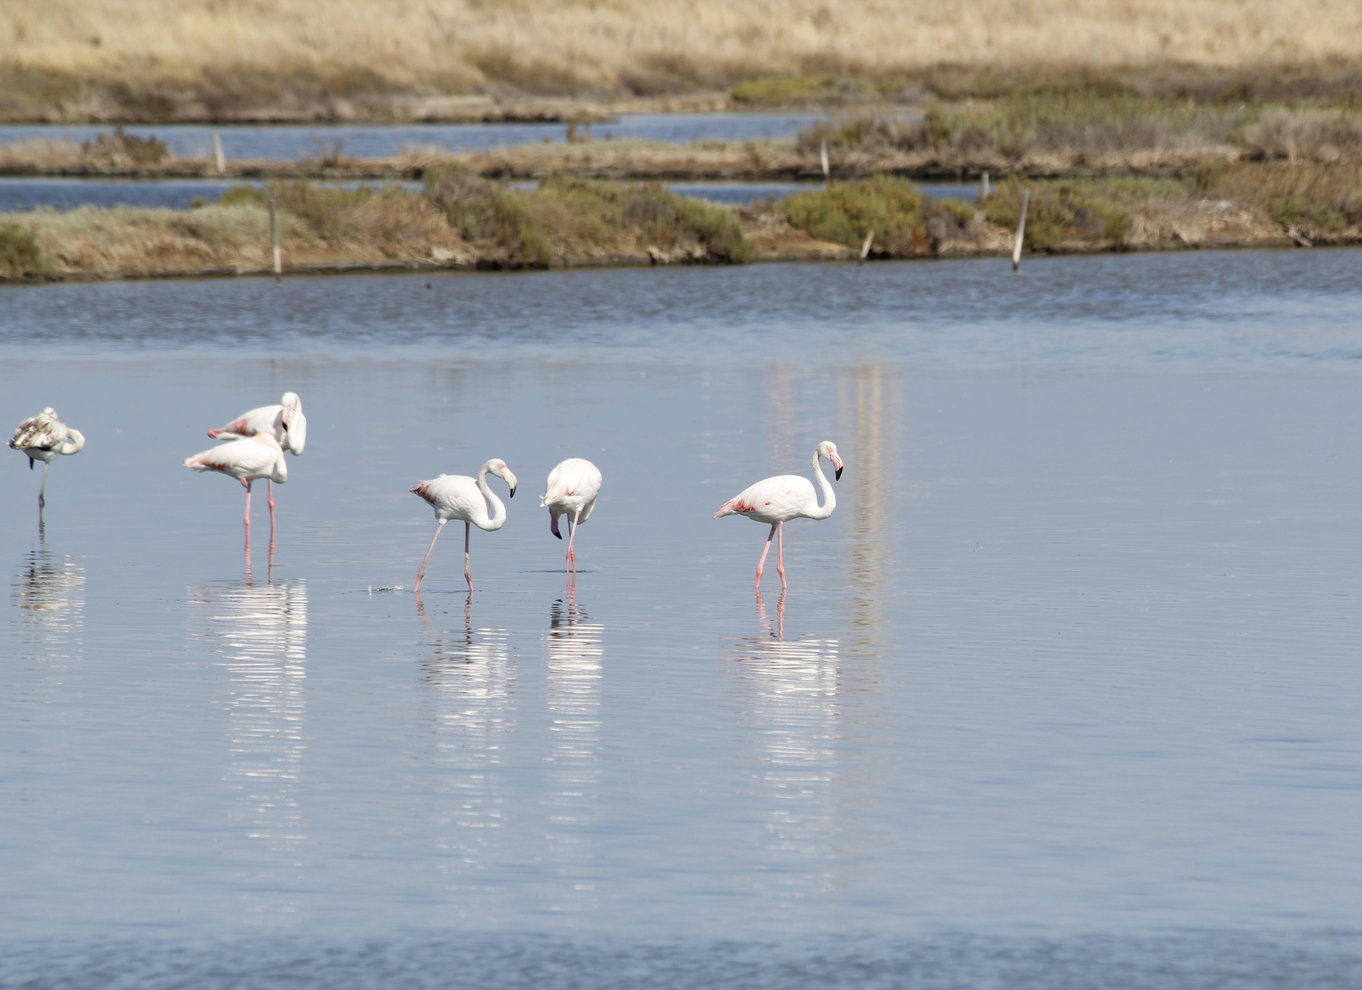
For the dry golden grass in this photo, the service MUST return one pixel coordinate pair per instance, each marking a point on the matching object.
(639, 46)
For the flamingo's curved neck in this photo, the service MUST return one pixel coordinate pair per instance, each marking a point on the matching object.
(495, 517)
(825, 486)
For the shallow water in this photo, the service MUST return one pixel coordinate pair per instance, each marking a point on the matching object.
(18, 195)
(1064, 692)
(297, 142)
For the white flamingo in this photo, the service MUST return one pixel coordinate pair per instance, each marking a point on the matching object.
(782, 498)
(457, 496)
(43, 437)
(285, 420)
(246, 459)
(571, 491)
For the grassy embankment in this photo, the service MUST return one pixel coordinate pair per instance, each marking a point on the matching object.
(463, 221)
(457, 221)
(163, 60)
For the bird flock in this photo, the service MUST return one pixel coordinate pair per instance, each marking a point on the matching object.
(253, 446)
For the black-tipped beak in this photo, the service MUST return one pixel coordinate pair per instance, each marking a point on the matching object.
(512, 493)
(837, 474)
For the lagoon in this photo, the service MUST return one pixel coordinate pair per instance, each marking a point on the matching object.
(1064, 691)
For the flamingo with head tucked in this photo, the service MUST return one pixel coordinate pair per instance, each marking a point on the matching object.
(457, 496)
(284, 421)
(43, 437)
(571, 491)
(246, 459)
(782, 498)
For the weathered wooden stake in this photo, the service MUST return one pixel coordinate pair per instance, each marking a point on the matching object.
(1021, 229)
(274, 241)
(983, 186)
(823, 157)
(217, 153)
(865, 245)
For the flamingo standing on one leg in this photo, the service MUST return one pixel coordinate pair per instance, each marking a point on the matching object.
(43, 437)
(285, 421)
(571, 491)
(246, 459)
(784, 497)
(457, 496)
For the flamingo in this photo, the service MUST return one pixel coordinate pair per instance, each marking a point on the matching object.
(43, 437)
(285, 421)
(246, 459)
(782, 498)
(571, 491)
(457, 496)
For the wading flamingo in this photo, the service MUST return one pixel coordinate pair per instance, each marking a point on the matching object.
(43, 437)
(571, 491)
(246, 459)
(285, 421)
(782, 498)
(457, 496)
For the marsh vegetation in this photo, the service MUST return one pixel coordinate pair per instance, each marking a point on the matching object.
(160, 60)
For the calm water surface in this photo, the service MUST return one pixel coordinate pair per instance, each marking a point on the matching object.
(295, 142)
(17, 195)
(1065, 693)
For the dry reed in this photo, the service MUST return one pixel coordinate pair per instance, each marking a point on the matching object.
(349, 48)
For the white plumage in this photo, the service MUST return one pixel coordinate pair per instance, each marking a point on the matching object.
(457, 496)
(571, 491)
(43, 437)
(787, 496)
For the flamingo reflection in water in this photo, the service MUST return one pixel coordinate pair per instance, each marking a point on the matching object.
(793, 725)
(572, 799)
(49, 592)
(469, 703)
(255, 636)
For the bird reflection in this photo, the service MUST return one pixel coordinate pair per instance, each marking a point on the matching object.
(471, 708)
(794, 686)
(49, 591)
(257, 634)
(574, 707)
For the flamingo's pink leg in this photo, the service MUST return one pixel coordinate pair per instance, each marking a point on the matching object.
(467, 569)
(422, 572)
(780, 555)
(269, 490)
(247, 517)
(572, 532)
(761, 564)
(42, 488)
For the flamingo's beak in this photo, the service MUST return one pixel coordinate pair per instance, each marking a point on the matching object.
(837, 464)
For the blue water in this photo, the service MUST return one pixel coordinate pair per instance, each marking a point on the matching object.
(18, 195)
(297, 142)
(1061, 695)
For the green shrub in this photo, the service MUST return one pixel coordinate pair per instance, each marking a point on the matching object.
(1067, 210)
(567, 217)
(845, 212)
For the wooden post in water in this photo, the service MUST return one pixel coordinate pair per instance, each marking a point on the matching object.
(1021, 229)
(823, 157)
(274, 241)
(217, 153)
(983, 186)
(865, 245)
